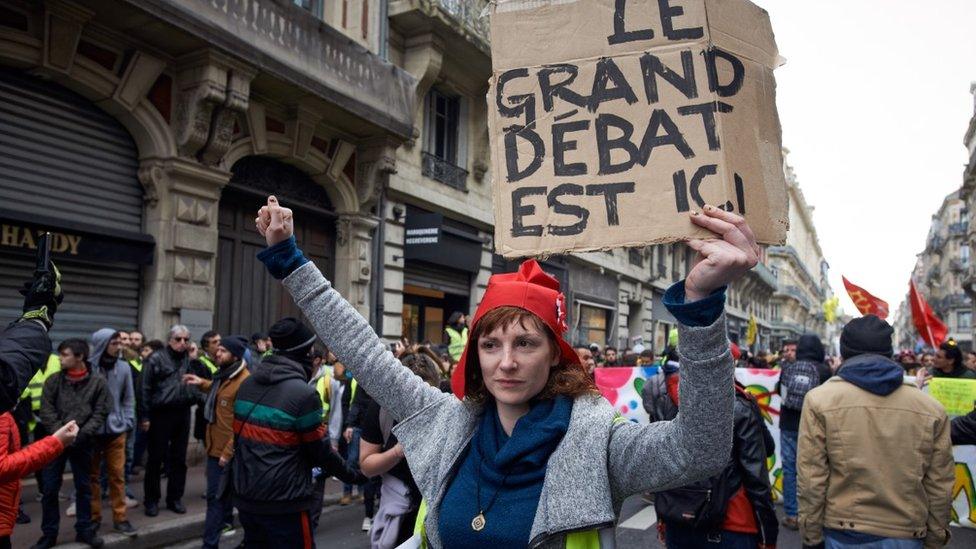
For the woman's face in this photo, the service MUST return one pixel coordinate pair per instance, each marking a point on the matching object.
(515, 362)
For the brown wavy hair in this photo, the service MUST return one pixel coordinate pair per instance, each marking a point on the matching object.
(566, 378)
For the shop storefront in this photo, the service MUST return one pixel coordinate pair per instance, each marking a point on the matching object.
(441, 258)
(68, 167)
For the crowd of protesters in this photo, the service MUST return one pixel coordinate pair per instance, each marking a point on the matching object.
(281, 411)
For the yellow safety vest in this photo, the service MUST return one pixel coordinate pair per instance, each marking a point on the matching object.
(136, 364)
(456, 346)
(324, 388)
(209, 364)
(36, 385)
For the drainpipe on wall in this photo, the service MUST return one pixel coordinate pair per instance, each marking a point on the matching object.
(377, 308)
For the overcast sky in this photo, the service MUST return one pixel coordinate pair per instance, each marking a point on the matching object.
(874, 101)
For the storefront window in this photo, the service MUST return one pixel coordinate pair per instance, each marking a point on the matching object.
(593, 325)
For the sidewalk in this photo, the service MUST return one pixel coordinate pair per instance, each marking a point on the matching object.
(163, 530)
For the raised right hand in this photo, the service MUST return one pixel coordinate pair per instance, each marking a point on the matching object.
(67, 433)
(275, 223)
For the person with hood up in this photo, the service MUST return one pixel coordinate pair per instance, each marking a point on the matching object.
(109, 443)
(527, 452)
(278, 438)
(796, 380)
(874, 458)
(218, 412)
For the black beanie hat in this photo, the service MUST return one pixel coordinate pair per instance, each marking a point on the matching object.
(866, 335)
(290, 336)
(235, 345)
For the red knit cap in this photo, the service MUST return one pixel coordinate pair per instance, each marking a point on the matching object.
(531, 289)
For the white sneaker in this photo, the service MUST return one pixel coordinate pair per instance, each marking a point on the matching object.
(71, 510)
(367, 524)
(130, 503)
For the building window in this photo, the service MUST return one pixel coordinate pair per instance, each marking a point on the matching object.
(964, 255)
(636, 256)
(593, 325)
(964, 320)
(444, 154)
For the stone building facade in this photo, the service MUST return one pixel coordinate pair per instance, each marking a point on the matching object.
(145, 135)
(940, 275)
(801, 273)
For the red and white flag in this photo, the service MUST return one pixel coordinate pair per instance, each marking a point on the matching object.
(865, 302)
(932, 330)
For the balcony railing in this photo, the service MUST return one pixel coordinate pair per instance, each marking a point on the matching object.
(468, 14)
(935, 244)
(447, 173)
(959, 229)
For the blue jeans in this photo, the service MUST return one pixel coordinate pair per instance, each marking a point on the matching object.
(219, 510)
(683, 537)
(889, 543)
(80, 458)
(787, 451)
(352, 456)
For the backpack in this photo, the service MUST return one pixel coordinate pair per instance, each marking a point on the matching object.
(795, 381)
(656, 400)
(700, 505)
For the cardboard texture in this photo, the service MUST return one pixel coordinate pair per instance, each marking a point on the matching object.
(610, 120)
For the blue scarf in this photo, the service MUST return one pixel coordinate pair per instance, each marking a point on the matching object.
(510, 470)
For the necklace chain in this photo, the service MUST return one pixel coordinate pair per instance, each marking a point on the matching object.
(478, 522)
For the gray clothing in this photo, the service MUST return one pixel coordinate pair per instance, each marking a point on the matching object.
(122, 400)
(602, 459)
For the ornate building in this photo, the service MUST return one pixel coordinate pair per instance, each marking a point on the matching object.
(940, 275)
(368, 118)
(801, 273)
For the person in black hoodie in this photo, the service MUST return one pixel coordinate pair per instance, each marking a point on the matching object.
(279, 438)
(164, 412)
(796, 379)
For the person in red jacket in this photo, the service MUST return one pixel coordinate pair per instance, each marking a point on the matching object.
(15, 463)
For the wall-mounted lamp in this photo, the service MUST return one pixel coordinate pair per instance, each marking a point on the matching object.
(397, 213)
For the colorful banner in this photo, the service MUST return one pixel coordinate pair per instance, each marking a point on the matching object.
(957, 395)
(622, 387)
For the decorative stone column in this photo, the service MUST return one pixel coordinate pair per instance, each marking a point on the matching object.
(354, 232)
(181, 214)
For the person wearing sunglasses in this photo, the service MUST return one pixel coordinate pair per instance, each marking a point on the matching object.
(164, 411)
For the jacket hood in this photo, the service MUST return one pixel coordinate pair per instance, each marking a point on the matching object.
(99, 343)
(276, 368)
(810, 348)
(874, 373)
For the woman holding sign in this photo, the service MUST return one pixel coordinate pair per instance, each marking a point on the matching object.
(529, 453)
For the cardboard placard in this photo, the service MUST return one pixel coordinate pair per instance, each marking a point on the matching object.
(610, 120)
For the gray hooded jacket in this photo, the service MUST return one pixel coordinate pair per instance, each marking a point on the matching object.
(122, 413)
(602, 459)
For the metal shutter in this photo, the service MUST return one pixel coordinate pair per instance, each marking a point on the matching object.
(96, 295)
(62, 156)
(435, 277)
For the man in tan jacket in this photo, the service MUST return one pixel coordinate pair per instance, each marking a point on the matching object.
(219, 413)
(874, 460)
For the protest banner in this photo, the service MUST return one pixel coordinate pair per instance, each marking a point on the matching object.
(957, 395)
(610, 120)
(622, 388)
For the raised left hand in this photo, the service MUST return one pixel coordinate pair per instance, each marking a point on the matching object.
(730, 254)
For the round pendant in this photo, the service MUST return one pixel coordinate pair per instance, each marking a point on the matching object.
(478, 522)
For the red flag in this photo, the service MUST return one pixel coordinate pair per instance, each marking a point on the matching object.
(932, 330)
(865, 302)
